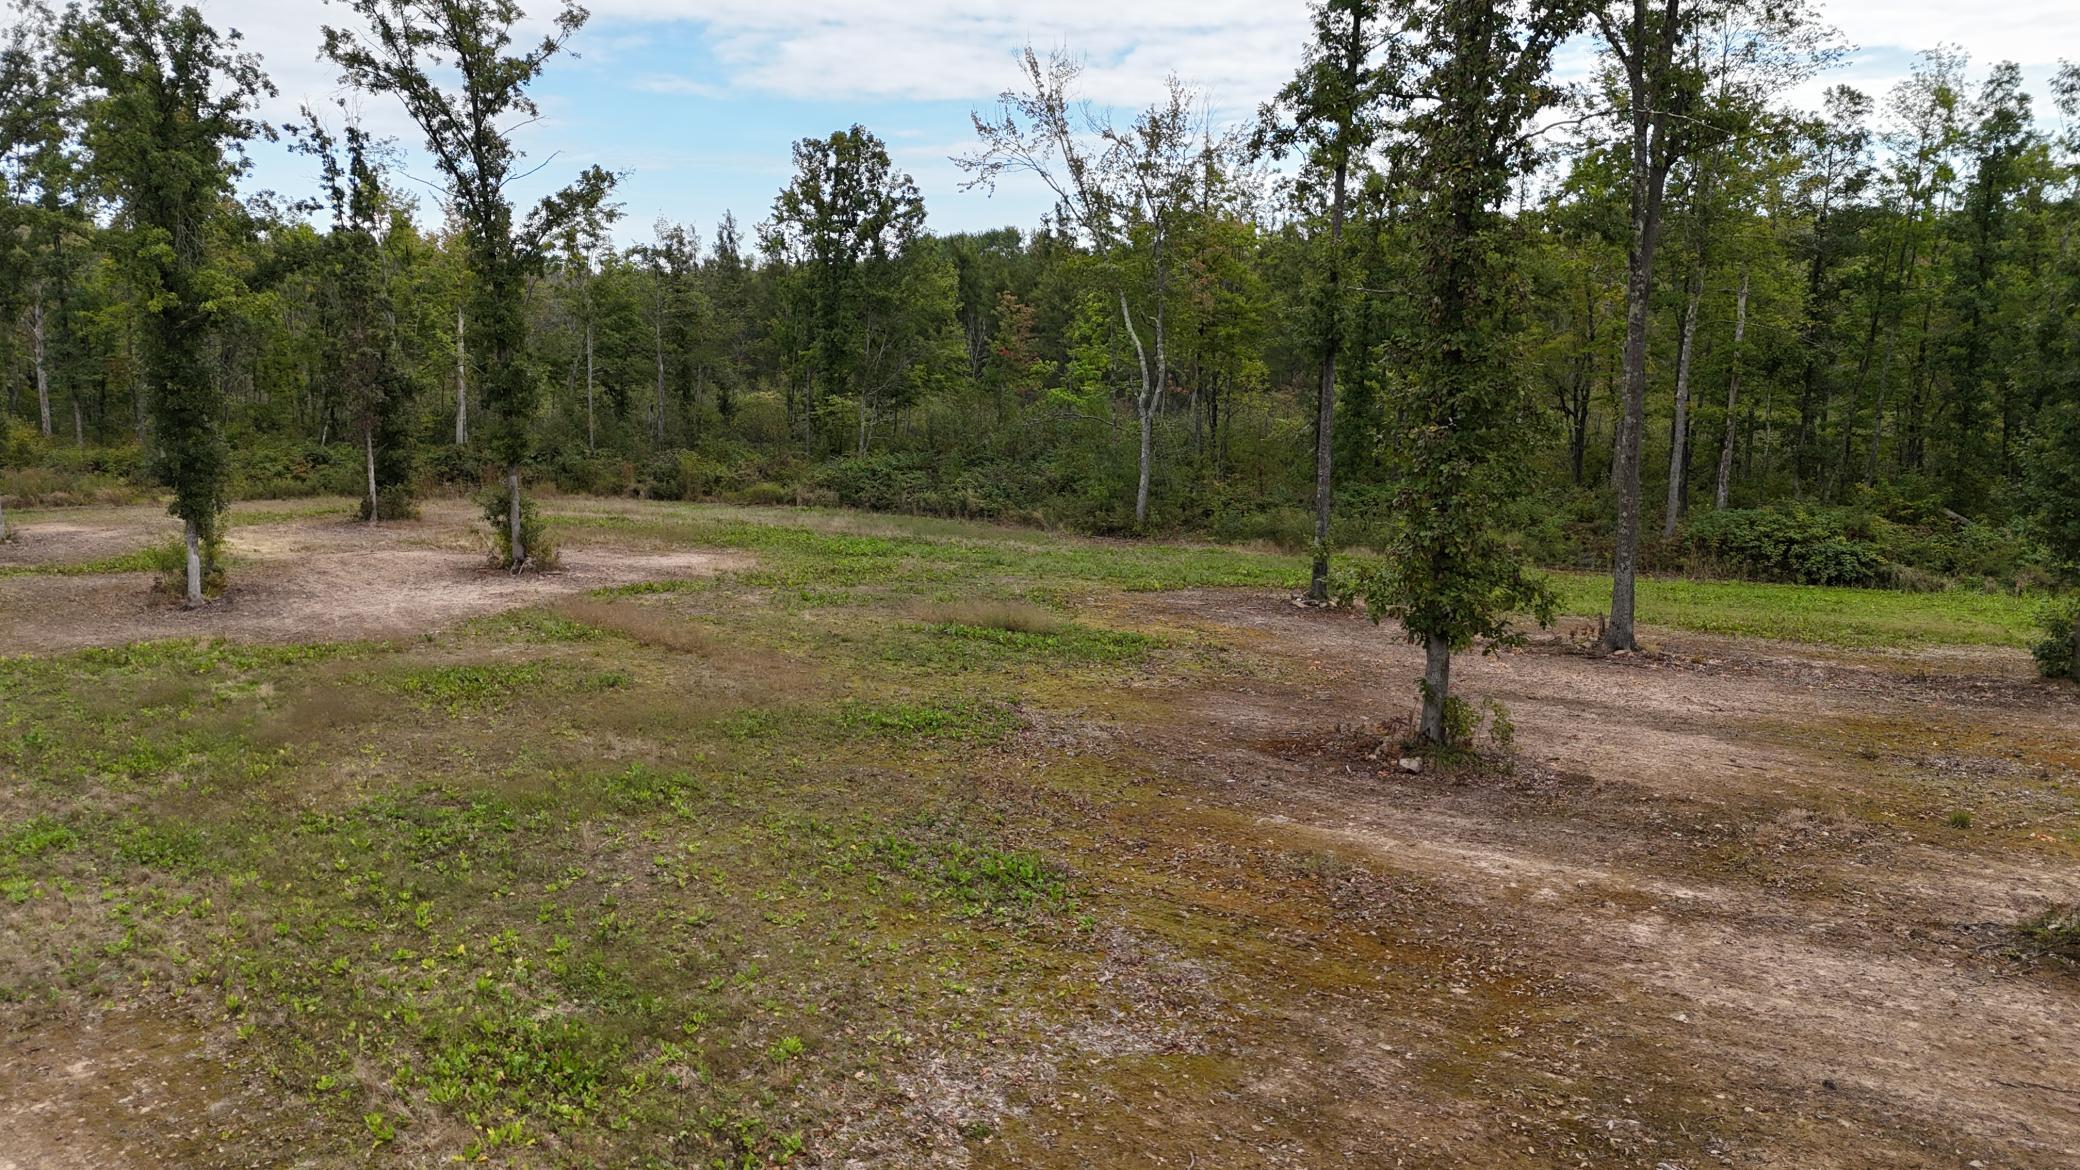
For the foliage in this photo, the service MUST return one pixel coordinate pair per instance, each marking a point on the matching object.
(1798, 545)
(2058, 650)
(1459, 411)
(495, 506)
(167, 113)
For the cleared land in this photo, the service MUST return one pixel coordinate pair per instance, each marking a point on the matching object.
(766, 836)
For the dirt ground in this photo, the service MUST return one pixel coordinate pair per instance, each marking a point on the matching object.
(1726, 866)
(294, 578)
(1719, 913)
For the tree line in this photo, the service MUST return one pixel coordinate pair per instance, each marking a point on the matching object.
(1432, 300)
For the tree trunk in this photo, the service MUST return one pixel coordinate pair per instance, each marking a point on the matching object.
(194, 565)
(1143, 407)
(79, 422)
(1646, 67)
(660, 378)
(1678, 454)
(591, 423)
(43, 373)
(1325, 402)
(513, 537)
(1733, 395)
(461, 385)
(2074, 671)
(368, 436)
(1437, 687)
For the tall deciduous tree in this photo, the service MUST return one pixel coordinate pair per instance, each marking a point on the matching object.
(1125, 198)
(1660, 85)
(362, 346)
(1461, 412)
(408, 48)
(169, 102)
(849, 224)
(1330, 111)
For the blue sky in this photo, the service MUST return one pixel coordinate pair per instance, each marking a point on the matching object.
(699, 102)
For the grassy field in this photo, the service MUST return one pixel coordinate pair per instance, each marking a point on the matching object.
(709, 872)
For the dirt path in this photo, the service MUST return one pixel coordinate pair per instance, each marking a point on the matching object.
(1737, 856)
(296, 578)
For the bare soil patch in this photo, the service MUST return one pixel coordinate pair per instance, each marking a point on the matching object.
(305, 579)
(1745, 935)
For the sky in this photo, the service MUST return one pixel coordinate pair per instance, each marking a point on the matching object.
(697, 102)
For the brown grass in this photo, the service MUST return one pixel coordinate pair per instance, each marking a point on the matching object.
(643, 624)
(1021, 617)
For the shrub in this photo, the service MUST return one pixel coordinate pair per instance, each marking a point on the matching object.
(395, 502)
(2054, 932)
(1796, 545)
(765, 491)
(169, 565)
(2056, 652)
(541, 550)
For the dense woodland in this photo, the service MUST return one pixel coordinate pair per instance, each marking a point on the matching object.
(1431, 299)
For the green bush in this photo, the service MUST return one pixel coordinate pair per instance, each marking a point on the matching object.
(395, 502)
(2054, 652)
(1798, 545)
(169, 565)
(534, 532)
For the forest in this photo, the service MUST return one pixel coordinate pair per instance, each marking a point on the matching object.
(1837, 345)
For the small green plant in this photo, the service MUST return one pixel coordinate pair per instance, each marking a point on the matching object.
(2055, 931)
(785, 1049)
(168, 561)
(380, 1130)
(534, 532)
(395, 502)
(1960, 819)
(2056, 652)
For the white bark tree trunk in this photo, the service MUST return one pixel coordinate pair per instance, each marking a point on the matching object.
(43, 372)
(514, 540)
(461, 385)
(368, 435)
(1144, 406)
(1733, 396)
(1678, 445)
(194, 565)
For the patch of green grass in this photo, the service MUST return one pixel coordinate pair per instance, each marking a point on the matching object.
(967, 720)
(655, 588)
(463, 684)
(1861, 618)
(982, 880)
(163, 845)
(534, 625)
(1070, 641)
(143, 560)
(37, 836)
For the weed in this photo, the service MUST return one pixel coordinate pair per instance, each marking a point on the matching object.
(962, 719)
(457, 685)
